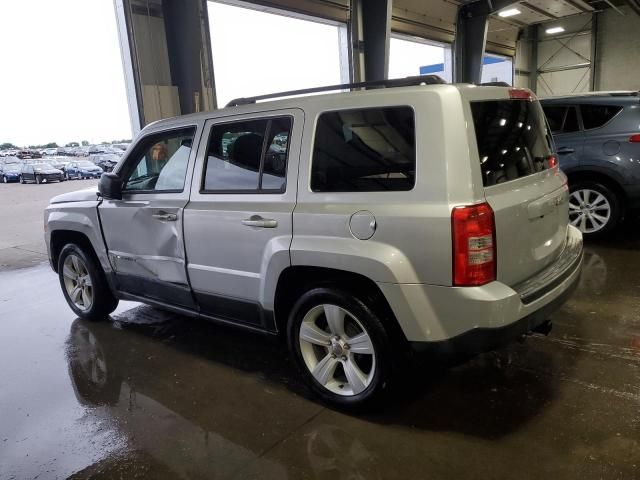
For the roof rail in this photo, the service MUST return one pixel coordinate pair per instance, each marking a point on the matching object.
(495, 84)
(396, 82)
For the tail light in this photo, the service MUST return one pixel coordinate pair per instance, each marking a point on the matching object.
(635, 138)
(474, 245)
(552, 160)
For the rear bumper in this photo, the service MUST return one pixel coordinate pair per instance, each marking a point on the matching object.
(461, 317)
(481, 339)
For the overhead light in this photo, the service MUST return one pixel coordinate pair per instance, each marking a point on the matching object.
(509, 13)
(554, 30)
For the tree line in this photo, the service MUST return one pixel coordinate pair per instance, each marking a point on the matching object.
(84, 143)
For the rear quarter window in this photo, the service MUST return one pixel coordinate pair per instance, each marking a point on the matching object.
(513, 140)
(364, 150)
(596, 116)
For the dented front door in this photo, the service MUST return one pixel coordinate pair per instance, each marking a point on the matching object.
(143, 231)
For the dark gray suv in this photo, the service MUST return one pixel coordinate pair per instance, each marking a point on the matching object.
(597, 137)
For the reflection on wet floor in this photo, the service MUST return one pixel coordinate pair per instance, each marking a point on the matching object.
(152, 394)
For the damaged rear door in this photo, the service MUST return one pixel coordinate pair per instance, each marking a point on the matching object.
(143, 231)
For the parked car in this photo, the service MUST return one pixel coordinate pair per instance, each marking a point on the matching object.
(82, 169)
(120, 146)
(383, 227)
(8, 160)
(40, 173)
(10, 172)
(28, 154)
(96, 149)
(597, 136)
(58, 162)
(105, 161)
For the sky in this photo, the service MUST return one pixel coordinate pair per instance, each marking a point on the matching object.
(61, 78)
(253, 52)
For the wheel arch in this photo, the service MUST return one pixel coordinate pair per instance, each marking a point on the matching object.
(297, 279)
(601, 175)
(60, 238)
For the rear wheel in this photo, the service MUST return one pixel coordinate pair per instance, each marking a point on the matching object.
(84, 284)
(594, 208)
(341, 347)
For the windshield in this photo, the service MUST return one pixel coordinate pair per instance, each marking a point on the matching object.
(513, 140)
(12, 167)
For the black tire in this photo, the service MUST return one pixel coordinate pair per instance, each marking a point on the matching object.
(104, 302)
(370, 318)
(4, 179)
(615, 204)
(38, 180)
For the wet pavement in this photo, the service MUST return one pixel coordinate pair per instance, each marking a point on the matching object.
(154, 395)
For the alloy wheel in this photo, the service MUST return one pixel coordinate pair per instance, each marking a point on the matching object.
(589, 210)
(77, 282)
(337, 350)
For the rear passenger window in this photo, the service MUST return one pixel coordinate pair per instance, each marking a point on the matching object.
(562, 119)
(555, 117)
(249, 155)
(364, 150)
(595, 116)
(571, 121)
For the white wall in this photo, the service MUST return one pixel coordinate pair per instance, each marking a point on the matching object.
(553, 55)
(618, 50)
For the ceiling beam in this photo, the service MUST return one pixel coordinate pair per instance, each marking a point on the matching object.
(539, 11)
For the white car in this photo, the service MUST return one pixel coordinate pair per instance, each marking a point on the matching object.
(421, 216)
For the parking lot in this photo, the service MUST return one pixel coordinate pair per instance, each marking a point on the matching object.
(154, 394)
(21, 220)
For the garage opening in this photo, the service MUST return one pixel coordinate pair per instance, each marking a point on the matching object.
(257, 52)
(409, 56)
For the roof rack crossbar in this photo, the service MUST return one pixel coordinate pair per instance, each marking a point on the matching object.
(396, 82)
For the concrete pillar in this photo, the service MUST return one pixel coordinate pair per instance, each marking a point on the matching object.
(166, 52)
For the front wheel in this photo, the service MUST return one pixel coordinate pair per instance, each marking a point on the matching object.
(84, 284)
(341, 347)
(594, 208)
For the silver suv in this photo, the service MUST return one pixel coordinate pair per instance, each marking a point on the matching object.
(362, 225)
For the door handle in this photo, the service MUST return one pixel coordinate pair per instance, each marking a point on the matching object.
(165, 217)
(258, 221)
(565, 150)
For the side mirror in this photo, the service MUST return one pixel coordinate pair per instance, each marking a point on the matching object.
(110, 186)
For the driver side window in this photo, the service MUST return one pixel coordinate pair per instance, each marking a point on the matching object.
(160, 164)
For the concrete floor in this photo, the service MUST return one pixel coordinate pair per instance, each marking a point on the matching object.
(153, 395)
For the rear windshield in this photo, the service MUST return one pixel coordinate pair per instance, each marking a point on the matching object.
(513, 140)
